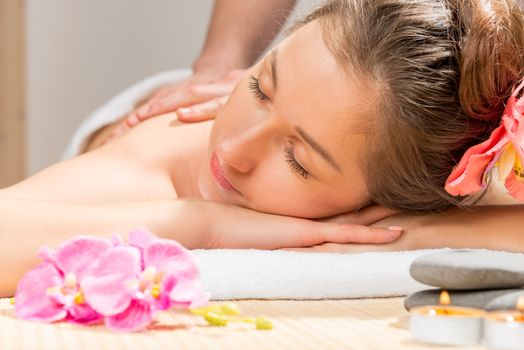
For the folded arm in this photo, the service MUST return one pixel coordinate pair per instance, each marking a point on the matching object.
(487, 227)
(27, 225)
(490, 227)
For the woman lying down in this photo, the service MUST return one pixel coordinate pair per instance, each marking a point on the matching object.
(358, 118)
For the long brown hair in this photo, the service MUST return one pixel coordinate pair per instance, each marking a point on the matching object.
(443, 70)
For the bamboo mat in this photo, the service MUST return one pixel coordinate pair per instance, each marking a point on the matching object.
(328, 324)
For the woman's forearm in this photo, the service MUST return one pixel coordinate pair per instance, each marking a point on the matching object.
(490, 227)
(27, 225)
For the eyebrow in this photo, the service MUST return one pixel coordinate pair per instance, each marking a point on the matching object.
(273, 65)
(309, 140)
(318, 148)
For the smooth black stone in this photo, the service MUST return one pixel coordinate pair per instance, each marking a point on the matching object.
(470, 269)
(472, 298)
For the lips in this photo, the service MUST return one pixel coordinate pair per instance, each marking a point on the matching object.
(219, 174)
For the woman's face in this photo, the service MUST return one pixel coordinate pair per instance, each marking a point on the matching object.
(286, 142)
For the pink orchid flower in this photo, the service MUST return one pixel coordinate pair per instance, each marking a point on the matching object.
(504, 149)
(131, 282)
(51, 291)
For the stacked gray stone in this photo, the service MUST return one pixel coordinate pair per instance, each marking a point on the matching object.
(485, 279)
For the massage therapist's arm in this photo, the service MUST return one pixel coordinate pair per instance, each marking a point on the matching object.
(239, 31)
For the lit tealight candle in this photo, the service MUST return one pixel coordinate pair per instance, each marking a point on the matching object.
(505, 329)
(445, 324)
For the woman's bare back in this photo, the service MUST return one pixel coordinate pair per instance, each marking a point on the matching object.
(142, 164)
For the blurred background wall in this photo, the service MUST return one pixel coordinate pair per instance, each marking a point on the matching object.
(82, 52)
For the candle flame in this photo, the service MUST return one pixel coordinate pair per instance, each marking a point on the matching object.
(444, 298)
(520, 303)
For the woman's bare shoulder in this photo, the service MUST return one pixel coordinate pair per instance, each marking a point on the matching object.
(136, 166)
(157, 141)
(139, 165)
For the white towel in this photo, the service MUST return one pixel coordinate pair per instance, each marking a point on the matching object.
(250, 273)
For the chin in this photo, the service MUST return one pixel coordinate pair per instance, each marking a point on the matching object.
(205, 189)
(208, 190)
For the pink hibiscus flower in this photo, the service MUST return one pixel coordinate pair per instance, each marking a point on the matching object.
(51, 291)
(131, 282)
(504, 149)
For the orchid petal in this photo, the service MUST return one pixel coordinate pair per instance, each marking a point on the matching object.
(77, 255)
(171, 257)
(188, 292)
(107, 289)
(48, 255)
(141, 238)
(117, 240)
(515, 181)
(163, 301)
(32, 301)
(468, 175)
(515, 133)
(136, 317)
(181, 280)
(200, 299)
(506, 162)
(84, 314)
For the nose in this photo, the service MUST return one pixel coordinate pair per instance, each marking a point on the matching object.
(243, 149)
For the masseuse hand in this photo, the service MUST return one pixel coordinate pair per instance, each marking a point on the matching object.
(198, 98)
(194, 99)
(235, 227)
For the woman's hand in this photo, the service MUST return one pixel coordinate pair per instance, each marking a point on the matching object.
(495, 227)
(414, 229)
(235, 227)
(365, 216)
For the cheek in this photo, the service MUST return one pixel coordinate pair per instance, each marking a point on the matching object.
(272, 187)
(238, 110)
(275, 189)
(240, 104)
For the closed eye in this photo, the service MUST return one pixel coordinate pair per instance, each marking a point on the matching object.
(289, 154)
(254, 86)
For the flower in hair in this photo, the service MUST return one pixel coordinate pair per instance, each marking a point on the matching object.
(89, 280)
(504, 149)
